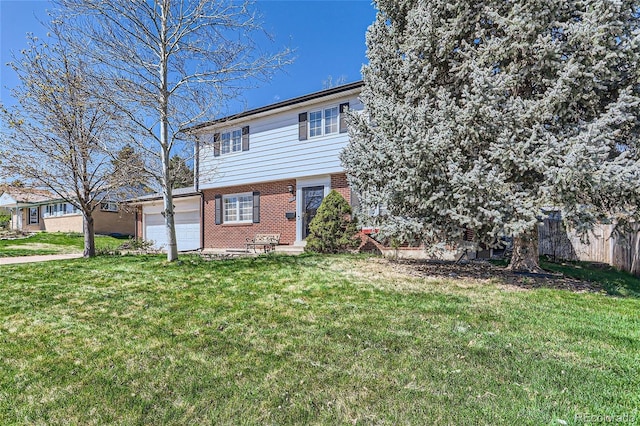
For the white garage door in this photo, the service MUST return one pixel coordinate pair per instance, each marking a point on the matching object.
(187, 230)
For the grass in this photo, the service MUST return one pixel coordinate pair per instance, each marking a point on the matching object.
(43, 243)
(615, 282)
(304, 340)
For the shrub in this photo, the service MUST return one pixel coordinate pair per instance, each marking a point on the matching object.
(5, 217)
(332, 230)
(136, 244)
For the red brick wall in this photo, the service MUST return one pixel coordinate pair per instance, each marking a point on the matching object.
(339, 183)
(274, 203)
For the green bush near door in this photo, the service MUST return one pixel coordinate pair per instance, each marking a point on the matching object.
(332, 230)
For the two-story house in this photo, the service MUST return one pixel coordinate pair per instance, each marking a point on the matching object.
(265, 170)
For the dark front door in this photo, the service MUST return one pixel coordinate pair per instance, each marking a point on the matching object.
(311, 199)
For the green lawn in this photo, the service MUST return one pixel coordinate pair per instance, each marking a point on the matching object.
(617, 283)
(304, 340)
(53, 243)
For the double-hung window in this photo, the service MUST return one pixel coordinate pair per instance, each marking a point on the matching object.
(238, 208)
(331, 120)
(231, 141)
(315, 123)
(323, 122)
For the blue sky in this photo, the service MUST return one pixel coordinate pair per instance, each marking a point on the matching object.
(328, 38)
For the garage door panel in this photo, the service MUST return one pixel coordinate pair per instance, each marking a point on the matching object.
(187, 230)
(154, 220)
(187, 218)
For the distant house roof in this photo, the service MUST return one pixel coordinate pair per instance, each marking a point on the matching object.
(283, 104)
(188, 191)
(13, 195)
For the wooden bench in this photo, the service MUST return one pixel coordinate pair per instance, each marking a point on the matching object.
(268, 242)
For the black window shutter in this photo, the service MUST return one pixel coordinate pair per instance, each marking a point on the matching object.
(302, 126)
(245, 138)
(218, 201)
(256, 207)
(343, 116)
(216, 145)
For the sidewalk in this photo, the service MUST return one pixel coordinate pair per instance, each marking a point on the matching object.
(30, 259)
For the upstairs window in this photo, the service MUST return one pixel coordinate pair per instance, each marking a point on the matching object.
(232, 141)
(236, 141)
(226, 143)
(315, 123)
(331, 120)
(323, 122)
(327, 121)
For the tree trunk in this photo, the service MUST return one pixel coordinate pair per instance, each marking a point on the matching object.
(169, 220)
(89, 236)
(172, 246)
(525, 252)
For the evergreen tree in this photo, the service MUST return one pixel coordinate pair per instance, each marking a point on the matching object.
(478, 114)
(181, 174)
(128, 166)
(332, 230)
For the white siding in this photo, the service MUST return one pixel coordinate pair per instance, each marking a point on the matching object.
(275, 152)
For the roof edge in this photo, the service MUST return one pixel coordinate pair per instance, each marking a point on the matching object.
(282, 104)
(157, 196)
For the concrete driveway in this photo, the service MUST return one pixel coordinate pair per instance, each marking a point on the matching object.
(31, 259)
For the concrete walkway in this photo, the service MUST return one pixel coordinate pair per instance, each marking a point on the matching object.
(31, 259)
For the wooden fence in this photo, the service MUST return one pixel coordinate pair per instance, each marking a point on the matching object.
(623, 252)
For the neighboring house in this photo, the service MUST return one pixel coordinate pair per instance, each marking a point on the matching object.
(40, 210)
(23, 205)
(264, 171)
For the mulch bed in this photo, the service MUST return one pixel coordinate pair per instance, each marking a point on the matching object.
(482, 270)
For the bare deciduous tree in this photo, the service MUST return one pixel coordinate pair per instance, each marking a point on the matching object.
(169, 64)
(60, 135)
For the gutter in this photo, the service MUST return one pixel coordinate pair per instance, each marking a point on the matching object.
(289, 104)
(153, 199)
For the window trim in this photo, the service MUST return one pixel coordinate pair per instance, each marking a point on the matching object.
(59, 209)
(323, 122)
(225, 197)
(234, 138)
